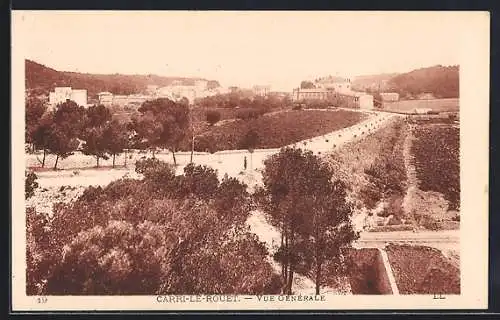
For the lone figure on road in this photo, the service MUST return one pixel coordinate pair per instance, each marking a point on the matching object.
(245, 162)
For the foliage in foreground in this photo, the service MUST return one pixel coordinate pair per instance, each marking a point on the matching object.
(30, 184)
(164, 234)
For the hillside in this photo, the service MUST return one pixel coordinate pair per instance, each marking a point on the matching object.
(441, 81)
(41, 79)
(372, 82)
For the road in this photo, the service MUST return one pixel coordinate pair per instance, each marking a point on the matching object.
(447, 241)
(427, 238)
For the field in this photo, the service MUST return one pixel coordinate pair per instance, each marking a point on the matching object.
(408, 106)
(374, 169)
(281, 129)
(430, 273)
(437, 160)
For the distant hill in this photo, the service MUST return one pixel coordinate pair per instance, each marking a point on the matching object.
(372, 82)
(40, 80)
(440, 81)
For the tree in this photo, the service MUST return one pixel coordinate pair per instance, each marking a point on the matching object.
(213, 116)
(200, 181)
(309, 209)
(95, 144)
(34, 111)
(331, 227)
(42, 133)
(66, 127)
(97, 118)
(377, 99)
(116, 138)
(205, 143)
(307, 85)
(168, 123)
(147, 130)
(119, 258)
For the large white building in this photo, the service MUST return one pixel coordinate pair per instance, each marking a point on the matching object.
(261, 90)
(339, 84)
(61, 94)
(330, 88)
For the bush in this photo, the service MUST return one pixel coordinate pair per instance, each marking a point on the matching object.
(213, 116)
(394, 220)
(200, 181)
(121, 188)
(30, 184)
(91, 194)
(430, 223)
(297, 107)
(154, 169)
(394, 208)
(159, 175)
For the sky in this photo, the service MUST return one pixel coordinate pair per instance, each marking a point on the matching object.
(279, 49)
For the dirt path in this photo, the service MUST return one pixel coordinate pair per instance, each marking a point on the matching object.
(412, 182)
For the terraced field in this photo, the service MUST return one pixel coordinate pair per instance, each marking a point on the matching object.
(437, 160)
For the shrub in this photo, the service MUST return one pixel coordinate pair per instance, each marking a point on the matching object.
(231, 195)
(121, 188)
(113, 259)
(30, 184)
(200, 181)
(394, 220)
(297, 107)
(430, 223)
(153, 168)
(91, 194)
(213, 116)
(159, 175)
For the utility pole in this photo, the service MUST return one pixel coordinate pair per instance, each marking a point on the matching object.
(192, 126)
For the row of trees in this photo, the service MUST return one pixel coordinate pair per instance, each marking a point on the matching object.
(244, 100)
(62, 131)
(309, 208)
(161, 123)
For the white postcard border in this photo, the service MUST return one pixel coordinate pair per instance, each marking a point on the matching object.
(474, 122)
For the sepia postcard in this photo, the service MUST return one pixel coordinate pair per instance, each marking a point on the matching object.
(223, 160)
